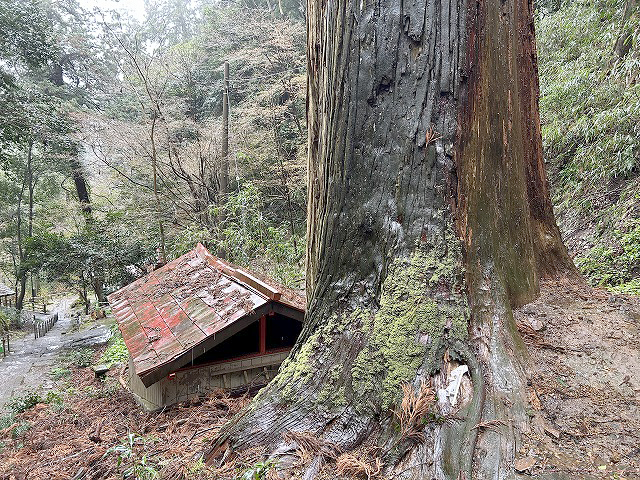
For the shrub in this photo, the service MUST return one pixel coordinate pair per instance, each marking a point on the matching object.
(590, 118)
(58, 373)
(116, 351)
(24, 402)
(136, 464)
(81, 358)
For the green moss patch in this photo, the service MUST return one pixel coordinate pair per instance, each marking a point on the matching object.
(421, 306)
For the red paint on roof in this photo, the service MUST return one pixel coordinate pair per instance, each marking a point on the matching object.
(167, 312)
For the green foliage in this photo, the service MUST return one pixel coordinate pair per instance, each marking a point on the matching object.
(54, 398)
(64, 63)
(103, 245)
(590, 114)
(24, 402)
(58, 373)
(259, 471)
(30, 399)
(616, 264)
(632, 287)
(20, 429)
(247, 236)
(80, 358)
(197, 467)
(9, 318)
(25, 32)
(7, 420)
(116, 351)
(135, 464)
(589, 109)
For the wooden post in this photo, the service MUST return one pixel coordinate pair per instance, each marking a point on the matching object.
(4, 352)
(263, 334)
(224, 175)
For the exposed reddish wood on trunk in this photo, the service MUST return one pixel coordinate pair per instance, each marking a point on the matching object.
(504, 210)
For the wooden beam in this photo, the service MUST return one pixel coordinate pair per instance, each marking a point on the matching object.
(263, 334)
(258, 284)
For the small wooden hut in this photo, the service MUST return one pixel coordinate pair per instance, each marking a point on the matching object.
(199, 323)
(6, 295)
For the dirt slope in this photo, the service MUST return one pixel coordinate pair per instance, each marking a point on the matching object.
(584, 372)
(584, 375)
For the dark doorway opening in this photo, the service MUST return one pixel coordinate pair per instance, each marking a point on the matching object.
(245, 342)
(282, 332)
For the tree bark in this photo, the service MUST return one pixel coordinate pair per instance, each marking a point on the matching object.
(224, 165)
(21, 274)
(82, 190)
(81, 184)
(154, 164)
(429, 219)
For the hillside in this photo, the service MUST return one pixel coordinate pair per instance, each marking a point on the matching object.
(590, 115)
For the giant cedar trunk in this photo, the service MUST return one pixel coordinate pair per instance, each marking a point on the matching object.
(429, 219)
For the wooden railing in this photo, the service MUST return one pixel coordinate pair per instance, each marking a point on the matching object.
(41, 327)
(5, 342)
(39, 301)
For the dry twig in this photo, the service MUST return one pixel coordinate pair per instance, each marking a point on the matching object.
(415, 406)
(355, 466)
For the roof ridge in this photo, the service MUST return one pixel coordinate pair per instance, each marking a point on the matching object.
(238, 273)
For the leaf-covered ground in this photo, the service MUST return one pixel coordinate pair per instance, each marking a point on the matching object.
(93, 429)
(584, 381)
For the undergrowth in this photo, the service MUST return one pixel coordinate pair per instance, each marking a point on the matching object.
(590, 115)
(80, 358)
(116, 352)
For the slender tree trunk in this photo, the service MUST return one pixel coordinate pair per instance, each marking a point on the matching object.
(625, 37)
(429, 220)
(81, 184)
(31, 180)
(31, 185)
(156, 114)
(154, 164)
(20, 272)
(82, 190)
(224, 167)
(285, 184)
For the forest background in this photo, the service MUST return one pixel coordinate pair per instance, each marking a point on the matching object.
(112, 151)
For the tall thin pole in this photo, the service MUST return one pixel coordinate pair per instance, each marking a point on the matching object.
(224, 174)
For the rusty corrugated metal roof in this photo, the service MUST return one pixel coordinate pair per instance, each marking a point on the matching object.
(166, 313)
